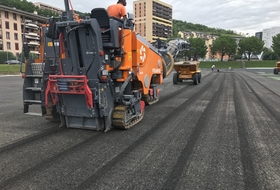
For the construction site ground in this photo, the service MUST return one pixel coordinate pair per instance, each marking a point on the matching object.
(221, 134)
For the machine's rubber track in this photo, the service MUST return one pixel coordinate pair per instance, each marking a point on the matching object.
(51, 114)
(123, 119)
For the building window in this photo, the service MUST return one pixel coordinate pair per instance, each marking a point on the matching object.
(6, 14)
(16, 36)
(16, 45)
(15, 16)
(7, 25)
(8, 35)
(15, 26)
(8, 45)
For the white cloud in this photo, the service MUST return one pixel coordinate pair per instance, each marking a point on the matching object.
(248, 16)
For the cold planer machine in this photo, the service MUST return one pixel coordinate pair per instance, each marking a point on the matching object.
(105, 73)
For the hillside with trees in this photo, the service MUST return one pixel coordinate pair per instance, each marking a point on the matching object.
(179, 25)
(28, 7)
(31, 8)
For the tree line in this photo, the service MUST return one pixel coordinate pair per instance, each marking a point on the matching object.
(31, 8)
(28, 7)
(227, 45)
(6, 55)
(179, 25)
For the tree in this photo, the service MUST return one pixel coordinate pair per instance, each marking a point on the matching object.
(268, 54)
(31, 56)
(6, 55)
(224, 45)
(250, 45)
(19, 4)
(198, 48)
(276, 45)
(82, 15)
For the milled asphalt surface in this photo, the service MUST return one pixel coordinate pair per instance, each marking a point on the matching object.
(221, 134)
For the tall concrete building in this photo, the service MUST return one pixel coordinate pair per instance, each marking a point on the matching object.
(11, 30)
(268, 34)
(153, 19)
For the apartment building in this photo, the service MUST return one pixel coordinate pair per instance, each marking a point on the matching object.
(11, 30)
(153, 19)
(268, 34)
(51, 8)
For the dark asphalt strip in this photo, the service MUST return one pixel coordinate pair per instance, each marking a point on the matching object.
(99, 173)
(224, 157)
(246, 157)
(25, 140)
(47, 162)
(258, 83)
(183, 89)
(273, 113)
(182, 161)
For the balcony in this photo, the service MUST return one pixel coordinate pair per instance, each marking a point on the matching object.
(33, 34)
(34, 43)
(35, 52)
(27, 36)
(30, 25)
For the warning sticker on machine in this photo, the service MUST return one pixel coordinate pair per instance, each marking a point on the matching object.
(156, 70)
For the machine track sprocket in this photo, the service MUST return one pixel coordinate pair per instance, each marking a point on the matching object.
(123, 117)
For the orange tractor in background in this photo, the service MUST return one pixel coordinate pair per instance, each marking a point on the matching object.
(92, 79)
(187, 70)
(276, 68)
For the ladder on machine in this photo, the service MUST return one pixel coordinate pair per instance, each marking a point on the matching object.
(32, 88)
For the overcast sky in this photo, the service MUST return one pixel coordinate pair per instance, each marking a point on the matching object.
(246, 16)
